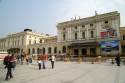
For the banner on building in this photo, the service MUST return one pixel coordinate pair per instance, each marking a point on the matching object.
(108, 32)
(109, 44)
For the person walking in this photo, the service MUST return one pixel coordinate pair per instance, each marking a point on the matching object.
(52, 61)
(44, 59)
(118, 60)
(39, 63)
(9, 66)
(22, 59)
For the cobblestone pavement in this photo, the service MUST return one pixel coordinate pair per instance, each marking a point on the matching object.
(66, 72)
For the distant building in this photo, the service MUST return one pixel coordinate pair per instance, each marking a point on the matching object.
(20, 40)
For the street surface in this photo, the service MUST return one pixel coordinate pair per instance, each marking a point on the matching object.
(66, 72)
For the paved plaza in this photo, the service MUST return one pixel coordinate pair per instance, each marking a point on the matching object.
(67, 72)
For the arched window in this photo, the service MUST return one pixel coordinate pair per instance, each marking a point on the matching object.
(92, 34)
(29, 42)
(49, 50)
(55, 49)
(44, 50)
(33, 51)
(29, 51)
(83, 35)
(64, 36)
(75, 35)
(40, 41)
(38, 51)
(64, 49)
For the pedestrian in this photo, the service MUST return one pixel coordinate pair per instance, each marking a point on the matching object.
(9, 66)
(27, 59)
(18, 58)
(13, 60)
(52, 61)
(22, 59)
(5, 61)
(30, 59)
(44, 59)
(39, 63)
(118, 60)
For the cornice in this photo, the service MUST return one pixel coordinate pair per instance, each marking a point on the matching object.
(87, 20)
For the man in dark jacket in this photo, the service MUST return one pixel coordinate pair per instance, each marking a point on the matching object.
(118, 60)
(9, 67)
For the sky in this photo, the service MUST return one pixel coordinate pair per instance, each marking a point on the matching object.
(43, 15)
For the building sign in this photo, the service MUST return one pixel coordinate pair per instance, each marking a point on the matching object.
(108, 46)
(108, 32)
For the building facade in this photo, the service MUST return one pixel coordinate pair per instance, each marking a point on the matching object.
(21, 40)
(90, 36)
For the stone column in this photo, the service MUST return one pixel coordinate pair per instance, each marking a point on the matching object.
(88, 51)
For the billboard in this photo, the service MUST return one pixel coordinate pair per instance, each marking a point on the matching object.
(108, 32)
(109, 44)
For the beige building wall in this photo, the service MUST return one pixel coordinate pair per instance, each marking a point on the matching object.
(88, 30)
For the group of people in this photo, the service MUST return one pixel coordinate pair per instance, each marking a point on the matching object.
(42, 60)
(22, 57)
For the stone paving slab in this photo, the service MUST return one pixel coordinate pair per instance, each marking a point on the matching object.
(67, 72)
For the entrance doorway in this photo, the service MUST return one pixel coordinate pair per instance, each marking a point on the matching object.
(84, 51)
(76, 53)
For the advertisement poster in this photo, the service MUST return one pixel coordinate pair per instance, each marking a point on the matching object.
(109, 32)
(108, 46)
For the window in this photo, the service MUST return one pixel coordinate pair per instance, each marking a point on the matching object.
(64, 36)
(106, 22)
(83, 26)
(38, 51)
(91, 25)
(29, 42)
(44, 50)
(75, 27)
(75, 35)
(49, 50)
(92, 34)
(29, 51)
(55, 49)
(40, 41)
(64, 49)
(83, 35)
(123, 37)
(63, 28)
(33, 51)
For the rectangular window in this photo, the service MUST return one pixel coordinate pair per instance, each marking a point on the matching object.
(83, 35)
(123, 37)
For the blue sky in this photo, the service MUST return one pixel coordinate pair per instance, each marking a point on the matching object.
(43, 15)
